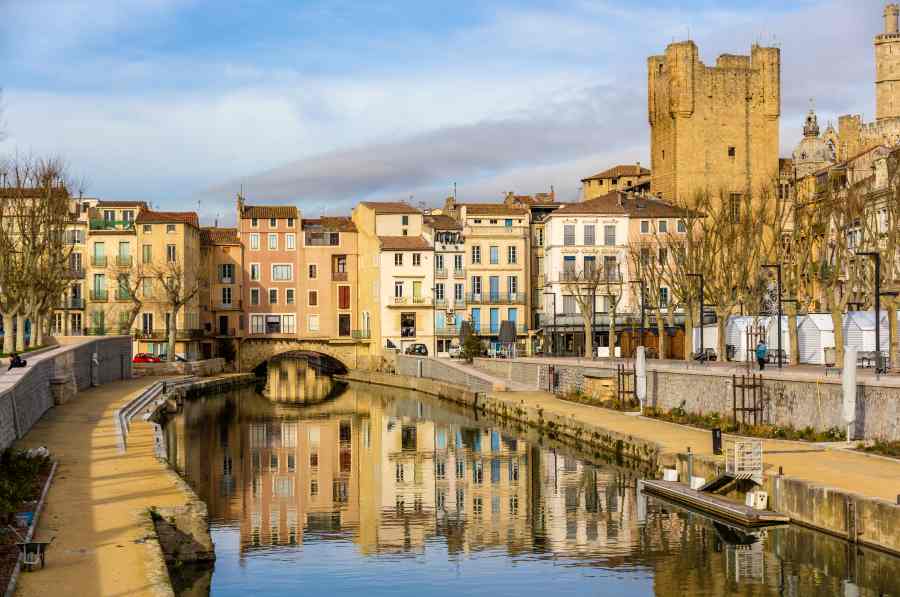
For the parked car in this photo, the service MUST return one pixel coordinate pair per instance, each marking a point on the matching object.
(455, 352)
(417, 349)
(145, 357)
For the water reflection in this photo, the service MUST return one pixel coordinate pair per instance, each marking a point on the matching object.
(293, 379)
(384, 492)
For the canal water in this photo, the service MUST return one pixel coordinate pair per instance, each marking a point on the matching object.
(385, 492)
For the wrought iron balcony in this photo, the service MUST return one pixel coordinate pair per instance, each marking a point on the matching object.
(148, 334)
(75, 273)
(447, 330)
(112, 224)
(99, 296)
(501, 298)
(440, 274)
(361, 334)
(98, 260)
(71, 303)
(459, 273)
(124, 260)
(123, 294)
(338, 276)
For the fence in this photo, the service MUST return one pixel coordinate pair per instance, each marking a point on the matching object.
(26, 394)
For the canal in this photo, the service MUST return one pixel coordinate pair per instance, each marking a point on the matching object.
(384, 492)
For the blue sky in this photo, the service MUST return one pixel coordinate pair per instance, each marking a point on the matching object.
(323, 104)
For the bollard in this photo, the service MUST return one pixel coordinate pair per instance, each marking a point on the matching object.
(781, 472)
(717, 441)
(690, 464)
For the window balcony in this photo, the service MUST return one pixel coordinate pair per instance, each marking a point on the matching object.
(401, 300)
(361, 334)
(501, 298)
(112, 224)
(407, 332)
(124, 260)
(95, 331)
(71, 303)
(447, 330)
(440, 274)
(232, 306)
(98, 260)
(338, 276)
(123, 294)
(459, 273)
(421, 300)
(75, 273)
(148, 334)
(440, 303)
(99, 296)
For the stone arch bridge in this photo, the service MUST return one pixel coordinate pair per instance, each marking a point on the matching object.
(333, 355)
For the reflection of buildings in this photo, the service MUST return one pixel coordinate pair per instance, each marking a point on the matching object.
(290, 379)
(398, 475)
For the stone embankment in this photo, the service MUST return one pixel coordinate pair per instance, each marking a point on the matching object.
(850, 495)
(198, 368)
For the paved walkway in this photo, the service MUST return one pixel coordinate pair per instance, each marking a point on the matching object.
(92, 505)
(818, 463)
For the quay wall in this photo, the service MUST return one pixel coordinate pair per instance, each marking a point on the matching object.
(787, 400)
(54, 376)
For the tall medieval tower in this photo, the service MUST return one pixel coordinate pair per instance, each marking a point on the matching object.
(887, 66)
(713, 129)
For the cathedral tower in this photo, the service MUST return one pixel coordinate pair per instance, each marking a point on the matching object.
(887, 66)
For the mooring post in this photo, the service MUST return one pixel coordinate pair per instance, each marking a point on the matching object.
(690, 466)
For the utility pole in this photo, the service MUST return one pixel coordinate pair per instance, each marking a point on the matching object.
(702, 299)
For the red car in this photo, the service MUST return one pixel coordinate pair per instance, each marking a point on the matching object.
(145, 357)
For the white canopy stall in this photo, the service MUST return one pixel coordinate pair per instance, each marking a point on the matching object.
(859, 330)
(815, 333)
(736, 335)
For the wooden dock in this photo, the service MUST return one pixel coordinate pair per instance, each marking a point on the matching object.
(713, 505)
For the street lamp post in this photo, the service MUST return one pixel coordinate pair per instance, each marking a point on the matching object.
(553, 335)
(777, 267)
(642, 299)
(702, 299)
(879, 369)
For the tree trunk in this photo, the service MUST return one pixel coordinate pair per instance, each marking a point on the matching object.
(721, 323)
(588, 336)
(20, 332)
(688, 333)
(894, 345)
(37, 330)
(660, 335)
(9, 340)
(837, 320)
(793, 338)
(612, 333)
(173, 329)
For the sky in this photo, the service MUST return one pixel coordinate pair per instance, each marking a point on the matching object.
(322, 104)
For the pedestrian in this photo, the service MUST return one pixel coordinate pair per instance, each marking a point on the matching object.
(16, 361)
(762, 352)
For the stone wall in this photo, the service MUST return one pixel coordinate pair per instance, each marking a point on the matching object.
(54, 376)
(698, 389)
(435, 369)
(510, 370)
(199, 368)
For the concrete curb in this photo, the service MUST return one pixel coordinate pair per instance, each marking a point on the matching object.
(11, 588)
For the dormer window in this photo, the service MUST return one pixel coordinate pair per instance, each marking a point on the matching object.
(273, 223)
(254, 222)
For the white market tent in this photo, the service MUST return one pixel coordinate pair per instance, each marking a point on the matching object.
(859, 330)
(736, 334)
(815, 333)
(710, 337)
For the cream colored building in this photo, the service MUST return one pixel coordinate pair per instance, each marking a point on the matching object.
(69, 317)
(167, 244)
(497, 267)
(617, 178)
(221, 298)
(445, 235)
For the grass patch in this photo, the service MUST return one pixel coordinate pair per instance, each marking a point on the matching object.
(612, 403)
(882, 448)
(714, 420)
(23, 351)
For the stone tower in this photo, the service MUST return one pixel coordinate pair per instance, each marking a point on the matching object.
(887, 66)
(713, 128)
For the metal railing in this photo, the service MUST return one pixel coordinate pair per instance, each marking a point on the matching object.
(421, 300)
(123, 294)
(361, 334)
(338, 276)
(124, 260)
(502, 298)
(98, 260)
(227, 332)
(459, 273)
(99, 295)
(72, 303)
(112, 224)
(147, 334)
(447, 330)
(440, 274)
(76, 273)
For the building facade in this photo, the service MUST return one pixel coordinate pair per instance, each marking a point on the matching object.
(618, 178)
(445, 236)
(221, 297)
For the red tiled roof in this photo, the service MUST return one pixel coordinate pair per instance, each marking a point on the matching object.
(264, 212)
(219, 236)
(168, 217)
(621, 170)
(493, 209)
(619, 203)
(141, 204)
(391, 207)
(404, 243)
(442, 222)
(333, 224)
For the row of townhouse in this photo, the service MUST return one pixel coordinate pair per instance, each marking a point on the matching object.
(388, 276)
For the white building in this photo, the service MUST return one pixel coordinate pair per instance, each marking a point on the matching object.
(445, 235)
(406, 289)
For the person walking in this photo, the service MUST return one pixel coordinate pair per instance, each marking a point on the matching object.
(762, 352)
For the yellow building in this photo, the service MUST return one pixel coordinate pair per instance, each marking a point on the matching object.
(68, 318)
(168, 245)
(221, 317)
(617, 178)
(497, 267)
(713, 128)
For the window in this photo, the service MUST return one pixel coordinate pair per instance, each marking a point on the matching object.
(288, 324)
(273, 223)
(439, 262)
(343, 297)
(273, 296)
(458, 262)
(645, 255)
(170, 228)
(663, 255)
(170, 253)
(568, 267)
(512, 284)
(257, 324)
(408, 325)
(645, 226)
(398, 259)
(254, 296)
(493, 221)
(343, 324)
(732, 152)
(663, 226)
(254, 272)
(148, 228)
(398, 289)
(290, 241)
(663, 297)
(290, 222)
(590, 266)
(313, 271)
(511, 255)
(495, 255)
(404, 220)
(569, 304)
(417, 259)
(439, 292)
(735, 200)
(476, 285)
(254, 241)
(254, 222)
(313, 323)
(458, 290)
(273, 242)
(589, 234)
(508, 223)
(283, 272)
(147, 253)
(289, 296)
(611, 267)
(569, 235)
(476, 254)
(312, 298)
(147, 287)
(682, 226)
(226, 295)
(609, 235)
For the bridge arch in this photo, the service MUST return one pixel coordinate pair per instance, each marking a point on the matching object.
(334, 359)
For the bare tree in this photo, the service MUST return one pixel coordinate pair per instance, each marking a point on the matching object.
(649, 261)
(178, 291)
(585, 285)
(613, 285)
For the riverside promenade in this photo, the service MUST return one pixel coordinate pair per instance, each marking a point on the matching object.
(91, 509)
